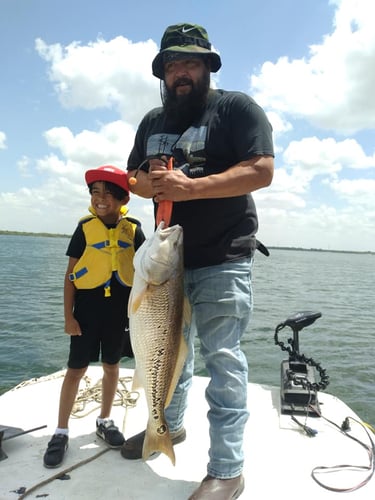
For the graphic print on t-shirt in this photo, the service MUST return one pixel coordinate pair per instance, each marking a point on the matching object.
(188, 147)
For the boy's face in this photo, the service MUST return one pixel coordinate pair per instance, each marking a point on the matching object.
(106, 206)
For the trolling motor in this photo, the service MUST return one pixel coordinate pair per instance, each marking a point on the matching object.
(298, 384)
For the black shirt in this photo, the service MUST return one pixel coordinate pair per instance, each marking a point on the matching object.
(233, 128)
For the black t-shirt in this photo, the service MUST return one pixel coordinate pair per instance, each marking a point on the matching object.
(233, 128)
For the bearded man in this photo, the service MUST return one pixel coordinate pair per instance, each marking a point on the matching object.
(221, 143)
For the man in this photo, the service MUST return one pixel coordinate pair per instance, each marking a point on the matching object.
(221, 143)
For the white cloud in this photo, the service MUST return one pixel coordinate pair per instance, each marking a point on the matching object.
(312, 156)
(333, 86)
(280, 126)
(304, 160)
(99, 75)
(23, 166)
(324, 227)
(61, 196)
(357, 192)
(296, 182)
(3, 138)
(110, 144)
(56, 205)
(289, 213)
(104, 74)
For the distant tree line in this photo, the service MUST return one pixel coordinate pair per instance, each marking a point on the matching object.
(52, 235)
(25, 233)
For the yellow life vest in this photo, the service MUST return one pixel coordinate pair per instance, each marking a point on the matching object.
(107, 251)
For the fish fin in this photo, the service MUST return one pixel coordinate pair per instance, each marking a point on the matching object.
(154, 442)
(130, 300)
(181, 357)
(137, 382)
(136, 300)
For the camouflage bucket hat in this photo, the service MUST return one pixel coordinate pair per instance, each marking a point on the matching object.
(181, 39)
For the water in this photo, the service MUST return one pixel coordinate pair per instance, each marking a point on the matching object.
(339, 285)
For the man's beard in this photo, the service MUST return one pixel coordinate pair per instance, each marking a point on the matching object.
(183, 110)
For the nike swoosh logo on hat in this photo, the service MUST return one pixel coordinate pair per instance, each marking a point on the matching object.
(185, 30)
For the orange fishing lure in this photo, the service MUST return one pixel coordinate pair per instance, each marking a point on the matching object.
(164, 211)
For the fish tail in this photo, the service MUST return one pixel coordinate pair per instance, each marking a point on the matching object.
(158, 443)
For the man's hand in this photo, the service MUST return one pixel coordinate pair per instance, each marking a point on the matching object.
(171, 185)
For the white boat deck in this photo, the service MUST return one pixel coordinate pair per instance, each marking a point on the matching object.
(279, 456)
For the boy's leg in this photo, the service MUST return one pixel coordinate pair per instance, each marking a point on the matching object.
(109, 387)
(68, 394)
(58, 444)
(106, 428)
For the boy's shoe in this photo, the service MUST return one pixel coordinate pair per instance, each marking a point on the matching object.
(55, 452)
(110, 434)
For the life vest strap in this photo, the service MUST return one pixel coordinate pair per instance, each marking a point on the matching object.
(123, 244)
(107, 288)
(110, 244)
(101, 244)
(78, 274)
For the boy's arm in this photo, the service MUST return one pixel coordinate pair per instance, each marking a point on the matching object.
(71, 324)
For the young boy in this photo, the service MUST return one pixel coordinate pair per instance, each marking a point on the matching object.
(96, 291)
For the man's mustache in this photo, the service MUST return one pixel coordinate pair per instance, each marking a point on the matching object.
(182, 81)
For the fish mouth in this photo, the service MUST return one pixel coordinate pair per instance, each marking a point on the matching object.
(166, 232)
(159, 257)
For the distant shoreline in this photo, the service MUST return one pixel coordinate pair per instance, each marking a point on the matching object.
(24, 233)
(53, 235)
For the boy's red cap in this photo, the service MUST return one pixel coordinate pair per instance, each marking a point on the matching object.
(110, 174)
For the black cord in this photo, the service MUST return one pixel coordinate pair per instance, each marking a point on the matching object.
(139, 167)
(324, 378)
(344, 428)
(308, 430)
(337, 468)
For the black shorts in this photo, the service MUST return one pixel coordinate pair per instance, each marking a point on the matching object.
(96, 344)
(105, 330)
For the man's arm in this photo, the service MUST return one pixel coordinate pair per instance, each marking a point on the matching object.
(242, 178)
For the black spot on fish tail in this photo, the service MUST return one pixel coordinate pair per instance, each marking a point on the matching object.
(162, 429)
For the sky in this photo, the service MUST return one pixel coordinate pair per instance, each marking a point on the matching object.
(76, 80)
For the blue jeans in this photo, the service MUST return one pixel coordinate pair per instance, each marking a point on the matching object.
(221, 301)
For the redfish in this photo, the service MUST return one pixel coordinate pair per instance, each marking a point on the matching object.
(157, 310)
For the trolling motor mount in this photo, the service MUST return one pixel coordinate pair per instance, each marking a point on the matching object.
(298, 384)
